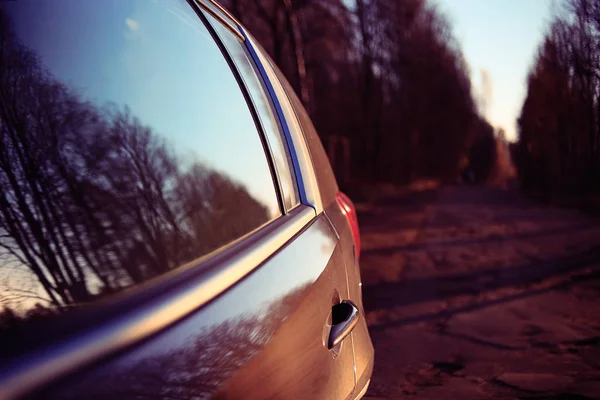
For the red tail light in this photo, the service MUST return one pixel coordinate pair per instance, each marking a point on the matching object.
(349, 211)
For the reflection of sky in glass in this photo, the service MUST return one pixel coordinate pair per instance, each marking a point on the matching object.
(158, 59)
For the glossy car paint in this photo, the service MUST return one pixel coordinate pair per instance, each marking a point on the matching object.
(255, 326)
(327, 189)
(263, 338)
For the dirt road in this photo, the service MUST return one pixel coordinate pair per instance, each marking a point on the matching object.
(475, 293)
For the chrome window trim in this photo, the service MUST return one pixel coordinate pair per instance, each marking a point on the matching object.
(301, 159)
(306, 165)
(281, 167)
(53, 362)
(217, 11)
(216, 4)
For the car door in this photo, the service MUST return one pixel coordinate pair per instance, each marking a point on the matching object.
(185, 261)
(265, 337)
(342, 214)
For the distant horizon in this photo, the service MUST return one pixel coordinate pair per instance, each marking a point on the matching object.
(499, 40)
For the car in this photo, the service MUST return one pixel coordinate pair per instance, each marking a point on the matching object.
(170, 224)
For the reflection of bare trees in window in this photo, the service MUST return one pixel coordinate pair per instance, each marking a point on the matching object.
(91, 200)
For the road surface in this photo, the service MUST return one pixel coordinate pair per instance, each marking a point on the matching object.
(475, 293)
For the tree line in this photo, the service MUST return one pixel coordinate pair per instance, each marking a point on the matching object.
(558, 153)
(384, 81)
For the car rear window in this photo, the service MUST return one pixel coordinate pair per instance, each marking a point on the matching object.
(127, 149)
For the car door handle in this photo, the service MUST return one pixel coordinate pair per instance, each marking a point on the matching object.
(344, 317)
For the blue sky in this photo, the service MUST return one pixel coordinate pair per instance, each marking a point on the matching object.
(157, 59)
(501, 38)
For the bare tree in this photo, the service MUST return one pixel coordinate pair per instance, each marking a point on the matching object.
(386, 76)
(559, 138)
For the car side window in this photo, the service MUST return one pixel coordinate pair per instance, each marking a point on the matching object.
(127, 149)
(263, 105)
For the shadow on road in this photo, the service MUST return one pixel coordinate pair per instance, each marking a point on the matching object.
(411, 291)
(490, 239)
(477, 305)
